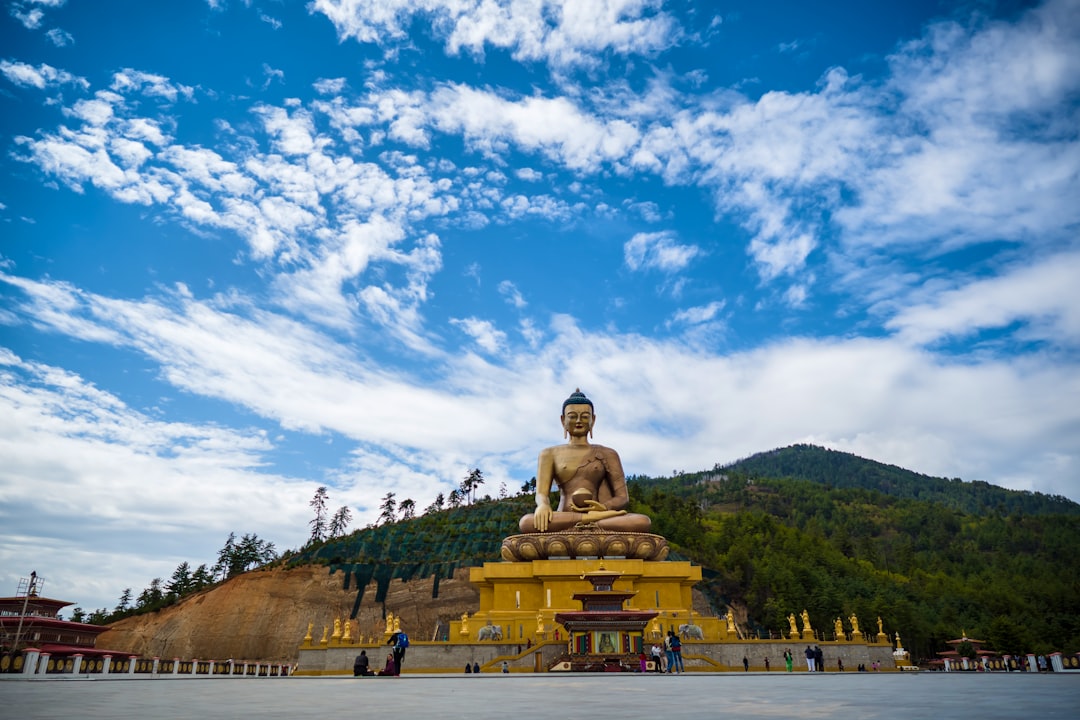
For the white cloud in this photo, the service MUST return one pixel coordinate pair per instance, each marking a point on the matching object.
(40, 77)
(700, 314)
(490, 339)
(562, 33)
(60, 38)
(1044, 296)
(513, 296)
(658, 251)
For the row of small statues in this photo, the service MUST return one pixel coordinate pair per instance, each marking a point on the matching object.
(343, 630)
(838, 625)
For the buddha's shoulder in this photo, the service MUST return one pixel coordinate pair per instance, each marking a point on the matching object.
(604, 451)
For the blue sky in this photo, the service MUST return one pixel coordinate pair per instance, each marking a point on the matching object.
(251, 248)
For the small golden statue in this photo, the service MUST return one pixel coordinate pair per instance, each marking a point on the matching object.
(307, 638)
(325, 634)
(540, 623)
(807, 631)
(854, 625)
(838, 628)
(346, 636)
(464, 624)
(389, 623)
(794, 630)
(880, 631)
(337, 629)
(730, 623)
(397, 623)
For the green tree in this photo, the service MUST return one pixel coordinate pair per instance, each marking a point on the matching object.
(339, 523)
(436, 505)
(388, 509)
(473, 479)
(180, 583)
(202, 577)
(225, 557)
(149, 598)
(407, 508)
(318, 523)
(125, 602)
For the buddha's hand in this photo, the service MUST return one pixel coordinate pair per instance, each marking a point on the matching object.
(587, 506)
(542, 517)
(601, 514)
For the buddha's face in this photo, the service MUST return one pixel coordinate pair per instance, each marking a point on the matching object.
(578, 419)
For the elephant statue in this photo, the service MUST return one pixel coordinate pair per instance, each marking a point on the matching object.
(688, 631)
(489, 632)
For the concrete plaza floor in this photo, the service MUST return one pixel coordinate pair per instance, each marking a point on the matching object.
(552, 696)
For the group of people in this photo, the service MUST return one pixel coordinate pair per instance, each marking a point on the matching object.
(666, 659)
(394, 659)
(815, 659)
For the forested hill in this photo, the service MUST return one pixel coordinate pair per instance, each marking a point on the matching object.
(843, 470)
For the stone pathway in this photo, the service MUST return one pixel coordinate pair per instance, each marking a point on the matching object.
(550, 697)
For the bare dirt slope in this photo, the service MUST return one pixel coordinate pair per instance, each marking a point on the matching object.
(264, 615)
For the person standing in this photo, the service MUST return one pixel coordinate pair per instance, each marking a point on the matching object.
(809, 653)
(657, 657)
(669, 652)
(788, 659)
(745, 664)
(401, 644)
(766, 663)
(819, 659)
(676, 649)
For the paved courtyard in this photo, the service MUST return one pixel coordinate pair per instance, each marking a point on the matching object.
(524, 697)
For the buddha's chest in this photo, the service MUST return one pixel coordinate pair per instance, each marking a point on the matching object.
(571, 461)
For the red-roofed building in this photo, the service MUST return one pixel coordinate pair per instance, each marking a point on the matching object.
(30, 621)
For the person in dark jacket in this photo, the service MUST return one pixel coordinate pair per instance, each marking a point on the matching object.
(361, 665)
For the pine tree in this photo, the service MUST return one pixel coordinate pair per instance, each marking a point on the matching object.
(388, 509)
(407, 509)
(125, 601)
(180, 583)
(318, 523)
(437, 504)
(340, 522)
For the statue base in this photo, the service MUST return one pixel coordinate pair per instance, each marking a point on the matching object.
(520, 600)
(588, 541)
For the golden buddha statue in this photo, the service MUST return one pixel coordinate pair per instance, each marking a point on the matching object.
(838, 628)
(854, 625)
(794, 630)
(592, 486)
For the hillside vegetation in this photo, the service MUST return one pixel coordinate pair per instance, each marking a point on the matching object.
(837, 534)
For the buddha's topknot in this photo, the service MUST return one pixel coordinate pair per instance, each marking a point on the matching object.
(577, 398)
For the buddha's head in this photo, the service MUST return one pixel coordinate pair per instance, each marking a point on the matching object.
(578, 416)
